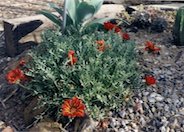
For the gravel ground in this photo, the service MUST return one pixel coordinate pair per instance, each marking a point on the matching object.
(158, 108)
(155, 108)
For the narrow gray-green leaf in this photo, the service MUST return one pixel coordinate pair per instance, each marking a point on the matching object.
(84, 11)
(97, 21)
(51, 17)
(71, 6)
(96, 3)
(60, 11)
(56, 8)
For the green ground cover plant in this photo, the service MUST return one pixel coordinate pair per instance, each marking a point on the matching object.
(100, 78)
(80, 72)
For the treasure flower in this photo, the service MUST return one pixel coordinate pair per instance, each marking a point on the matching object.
(15, 76)
(22, 62)
(72, 58)
(109, 26)
(125, 36)
(101, 45)
(73, 108)
(150, 80)
(150, 47)
(117, 29)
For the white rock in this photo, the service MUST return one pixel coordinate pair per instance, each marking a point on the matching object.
(133, 125)
(153, 109)
(159, 98)
(145, 93)
(163, 129)
(123, 123)
(8, 59)
(167, 129)
(113, 122)
(169, 100)
(166, 108)
(142, 121)
(145, 99)
(121, 130)
(131, 116)
(130, 110)
(156, 96)
(153, 95)
(151, 100)
(181, 111)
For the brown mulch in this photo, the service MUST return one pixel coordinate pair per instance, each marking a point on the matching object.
(20, 8)
(12, 105)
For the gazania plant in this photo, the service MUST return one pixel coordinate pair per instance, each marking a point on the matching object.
(82, 75)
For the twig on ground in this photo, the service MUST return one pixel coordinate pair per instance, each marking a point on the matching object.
(4, 106)
(12, 93)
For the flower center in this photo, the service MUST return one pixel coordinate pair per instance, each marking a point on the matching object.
(73, 110)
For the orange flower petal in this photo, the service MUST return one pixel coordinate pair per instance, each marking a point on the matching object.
(149, 46)
(72, 58)
(117, 30)
(71, 53)
(22, 62)
(150, 80)
(125, 36)
(109, 26)
(15, 75)
(73, 108)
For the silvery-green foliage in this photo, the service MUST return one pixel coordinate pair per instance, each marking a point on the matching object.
(100, 79)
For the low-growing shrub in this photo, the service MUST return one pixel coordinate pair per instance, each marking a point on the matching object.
(98, 68)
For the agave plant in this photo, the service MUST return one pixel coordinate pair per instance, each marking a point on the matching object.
(79, 14)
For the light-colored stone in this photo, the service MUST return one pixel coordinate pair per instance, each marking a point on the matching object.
(8, 129)
(110, 10)
(173, 6)
(46, 126)
(151, 100)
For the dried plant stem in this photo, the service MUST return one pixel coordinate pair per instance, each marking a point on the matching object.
(10, 95)
(68, 123)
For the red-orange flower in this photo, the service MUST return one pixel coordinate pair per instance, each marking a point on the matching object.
(150, 80)
(101, 45)
(109, 26)
(117, 29)
(73, 108)
(71, 53)
(22, 62)
(149, 46)
(125, 36)
(71, 56)
(15, 76)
